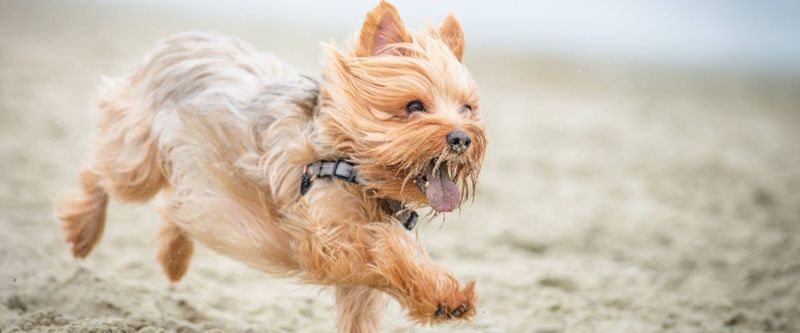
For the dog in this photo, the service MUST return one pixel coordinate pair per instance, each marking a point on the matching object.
(313, 180)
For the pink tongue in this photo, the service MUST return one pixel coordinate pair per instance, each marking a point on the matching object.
(443, 194)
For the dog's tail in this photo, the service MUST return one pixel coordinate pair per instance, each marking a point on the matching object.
(125, 165)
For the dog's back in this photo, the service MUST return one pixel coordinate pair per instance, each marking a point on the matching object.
(190, 106)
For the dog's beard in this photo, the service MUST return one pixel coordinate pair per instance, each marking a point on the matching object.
(423, 174)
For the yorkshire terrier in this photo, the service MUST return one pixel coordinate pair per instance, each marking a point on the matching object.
(315, 180)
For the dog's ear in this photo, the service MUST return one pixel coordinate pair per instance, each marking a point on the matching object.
(382, 27)
(453, 36)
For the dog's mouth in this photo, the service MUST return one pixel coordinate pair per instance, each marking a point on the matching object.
(438, 185)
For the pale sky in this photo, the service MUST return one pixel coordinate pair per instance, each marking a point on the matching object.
(757, 34)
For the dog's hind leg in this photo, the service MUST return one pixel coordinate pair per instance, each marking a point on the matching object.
(127, 154)
(175, 249)
(125, 166)
(359, 309)
(83, 214)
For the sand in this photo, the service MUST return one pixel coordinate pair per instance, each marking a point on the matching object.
(614, 198)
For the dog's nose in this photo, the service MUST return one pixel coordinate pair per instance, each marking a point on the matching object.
(458, 140)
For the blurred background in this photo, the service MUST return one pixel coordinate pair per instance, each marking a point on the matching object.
(643, 171)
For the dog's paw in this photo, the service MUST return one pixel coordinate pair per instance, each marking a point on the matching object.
(459, 304)
(445, 312)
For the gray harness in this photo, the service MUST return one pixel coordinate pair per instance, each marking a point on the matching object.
(346, 171)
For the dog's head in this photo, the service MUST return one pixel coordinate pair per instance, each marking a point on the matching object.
(402, 106)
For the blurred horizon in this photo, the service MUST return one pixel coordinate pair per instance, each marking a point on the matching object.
(734, 36)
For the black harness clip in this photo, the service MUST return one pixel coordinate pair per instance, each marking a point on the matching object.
(305, 183)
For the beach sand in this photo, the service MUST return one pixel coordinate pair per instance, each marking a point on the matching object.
(614, 197)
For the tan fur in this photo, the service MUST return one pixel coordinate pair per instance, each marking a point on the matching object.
(382, 27)
(453, 36)
(83, 214)
(225, 132)
(175, 248)
(359, 308)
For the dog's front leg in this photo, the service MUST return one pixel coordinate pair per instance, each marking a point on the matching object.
(429, 292)
(383, 256)
(359, 309)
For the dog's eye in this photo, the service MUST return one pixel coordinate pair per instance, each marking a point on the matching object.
(415, 106)
(466, 108)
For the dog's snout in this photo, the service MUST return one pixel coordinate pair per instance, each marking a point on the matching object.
(458, 141)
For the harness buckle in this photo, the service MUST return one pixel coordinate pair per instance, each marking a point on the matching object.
(340, 169)
(305, 181)
(335, 170)
(411, 222)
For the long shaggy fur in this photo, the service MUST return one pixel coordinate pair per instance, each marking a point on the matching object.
(223, 132)
(83, 214)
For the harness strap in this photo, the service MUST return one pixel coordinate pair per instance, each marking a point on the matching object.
(345, 170)
(341, 169)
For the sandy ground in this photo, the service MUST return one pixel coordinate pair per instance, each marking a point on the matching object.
(614, 199)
